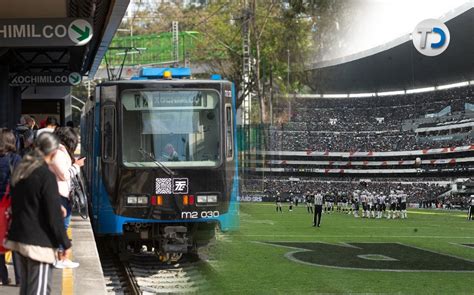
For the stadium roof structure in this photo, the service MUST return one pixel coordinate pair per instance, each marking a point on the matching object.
(397, 65)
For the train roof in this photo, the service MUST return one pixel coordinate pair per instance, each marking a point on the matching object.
(164, 81)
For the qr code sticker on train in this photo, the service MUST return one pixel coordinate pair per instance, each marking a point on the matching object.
(164, 186)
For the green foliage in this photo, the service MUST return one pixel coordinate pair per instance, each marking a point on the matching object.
(284, 38)
(154, 48)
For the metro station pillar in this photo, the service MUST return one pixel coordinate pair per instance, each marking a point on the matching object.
(10, 100)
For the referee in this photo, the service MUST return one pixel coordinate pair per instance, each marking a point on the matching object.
(318, 209)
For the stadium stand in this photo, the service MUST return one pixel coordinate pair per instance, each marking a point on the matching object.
(417, 134)
(388, 123)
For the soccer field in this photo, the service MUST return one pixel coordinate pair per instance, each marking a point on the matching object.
(431, 252)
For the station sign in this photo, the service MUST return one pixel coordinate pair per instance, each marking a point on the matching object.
(45, 32)
(45, 79)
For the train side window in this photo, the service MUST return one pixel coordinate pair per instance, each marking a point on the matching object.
(108, 134)
(229, 132)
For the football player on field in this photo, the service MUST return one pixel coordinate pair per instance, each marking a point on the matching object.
(363, 200)
(403, 204)
(278, 202)
(393, 205)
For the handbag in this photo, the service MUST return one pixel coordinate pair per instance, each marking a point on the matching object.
(5, 204)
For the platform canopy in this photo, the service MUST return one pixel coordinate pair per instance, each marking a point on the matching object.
(398, 65)
(23, 19)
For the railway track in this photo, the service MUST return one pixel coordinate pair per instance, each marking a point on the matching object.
(144, 273)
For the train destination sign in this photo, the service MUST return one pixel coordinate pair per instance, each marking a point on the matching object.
(45, 32)
(46, 79)
(177, 98)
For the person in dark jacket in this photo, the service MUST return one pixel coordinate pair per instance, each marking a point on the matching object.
(37, 227)
(9, 159)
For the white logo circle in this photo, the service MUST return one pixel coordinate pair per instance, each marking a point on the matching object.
(80, 32)
(431, 37)
(75, 78)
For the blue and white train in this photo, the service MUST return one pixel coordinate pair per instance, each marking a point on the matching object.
(161, 161)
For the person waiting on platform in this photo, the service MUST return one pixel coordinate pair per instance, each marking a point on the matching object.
(65, 166)
(9, 159)
(51, 125)
(37, 227)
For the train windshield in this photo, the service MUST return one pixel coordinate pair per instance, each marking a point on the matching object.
(179, 128)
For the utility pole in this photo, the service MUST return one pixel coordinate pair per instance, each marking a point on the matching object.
(246, 108)
(175, 36)
(246, 67)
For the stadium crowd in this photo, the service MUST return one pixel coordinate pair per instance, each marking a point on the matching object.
(364, 124)
(345, 142)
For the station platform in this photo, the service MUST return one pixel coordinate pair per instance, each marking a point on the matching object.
(88, 278)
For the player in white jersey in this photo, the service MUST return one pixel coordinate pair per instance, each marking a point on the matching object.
(399, 204)
(393, 205)
(403, 204)
(375, 206)
(380, 205)
(355, 204)
(370, 205)
(363, 200)
(387, 206)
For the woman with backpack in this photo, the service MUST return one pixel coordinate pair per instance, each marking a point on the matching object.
(37, 228)
(9, 159)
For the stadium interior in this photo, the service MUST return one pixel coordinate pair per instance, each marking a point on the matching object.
(396, 124)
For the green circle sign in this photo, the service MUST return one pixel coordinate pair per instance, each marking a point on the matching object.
(75, 78)
(80, 32)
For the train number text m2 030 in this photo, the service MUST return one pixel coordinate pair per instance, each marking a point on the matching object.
(202, 214)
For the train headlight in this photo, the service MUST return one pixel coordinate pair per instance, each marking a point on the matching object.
(212, 198)
(132, 200)
(201, 199)
(206, 199)
(137, 200)
(142, 200)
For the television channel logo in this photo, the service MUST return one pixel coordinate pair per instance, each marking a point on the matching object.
(431, 37)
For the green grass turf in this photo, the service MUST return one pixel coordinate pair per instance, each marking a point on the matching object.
(245, 266)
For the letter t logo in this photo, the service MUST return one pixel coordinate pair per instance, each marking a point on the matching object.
(424, 35)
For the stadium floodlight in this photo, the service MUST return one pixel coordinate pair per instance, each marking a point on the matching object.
(454, 85)
(420, 90)
(387, 93)
(371, 94)
(335, 95)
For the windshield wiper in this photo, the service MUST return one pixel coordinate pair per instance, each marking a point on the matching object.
(158, 163)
